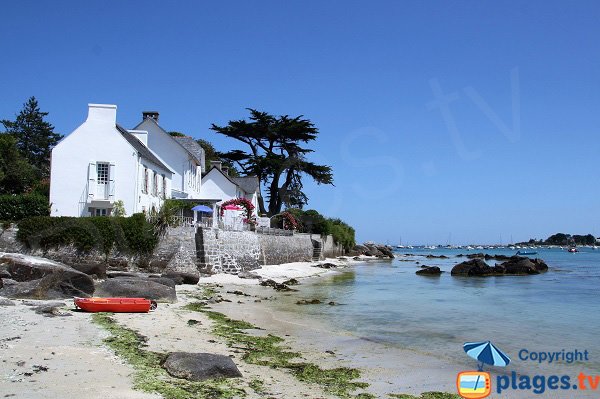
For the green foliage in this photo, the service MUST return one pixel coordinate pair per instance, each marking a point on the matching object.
(312, 221)
(276, 156)
(17, 207)
(177, 134)
(118, 209)
(149, 376)
(342, 233)
(16, 174)
(34, 136)
(132, 235)
(564, 239)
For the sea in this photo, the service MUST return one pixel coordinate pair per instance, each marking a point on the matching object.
(387, 303)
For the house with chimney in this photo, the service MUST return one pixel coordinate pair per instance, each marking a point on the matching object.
(218, 184)
(183, 155)
(100, 163)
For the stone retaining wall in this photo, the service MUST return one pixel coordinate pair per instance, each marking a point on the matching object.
(228, 251)
(285, 249)
(330, 249)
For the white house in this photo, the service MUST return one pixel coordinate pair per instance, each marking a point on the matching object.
(183, 155)
(218, 184)
(100, 163)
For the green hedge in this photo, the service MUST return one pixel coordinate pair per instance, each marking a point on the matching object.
(18, 207)
(134, 234)
(312, 221)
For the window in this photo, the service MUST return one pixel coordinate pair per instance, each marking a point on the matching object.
(164, 186)
(155, 184)
(99, 211)
(102, 171)
(145, 183)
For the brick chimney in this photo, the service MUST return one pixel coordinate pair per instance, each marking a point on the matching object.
(225, 170)
(151, 115)
(216, 164)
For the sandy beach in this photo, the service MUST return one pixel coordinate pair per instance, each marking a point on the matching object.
(65, 355)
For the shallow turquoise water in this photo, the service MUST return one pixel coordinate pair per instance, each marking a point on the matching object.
(387, 302)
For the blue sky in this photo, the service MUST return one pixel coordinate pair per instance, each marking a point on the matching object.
(475, 120)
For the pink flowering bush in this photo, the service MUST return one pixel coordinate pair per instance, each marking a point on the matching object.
(244, 203)
(289, 221)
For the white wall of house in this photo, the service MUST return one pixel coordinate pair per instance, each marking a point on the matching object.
(187, 174)
(75, 184)
(217, 186)
(154, 186)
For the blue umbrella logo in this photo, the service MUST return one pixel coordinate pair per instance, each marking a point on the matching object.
(486, 353)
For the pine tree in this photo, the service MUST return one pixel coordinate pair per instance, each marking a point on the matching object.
(35, 137)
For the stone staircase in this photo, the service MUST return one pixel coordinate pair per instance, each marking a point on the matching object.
(317, 249)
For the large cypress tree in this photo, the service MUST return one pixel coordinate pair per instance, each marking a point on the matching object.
(277, 156)
(35, 136)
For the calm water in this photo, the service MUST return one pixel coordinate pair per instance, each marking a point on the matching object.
(389, 303)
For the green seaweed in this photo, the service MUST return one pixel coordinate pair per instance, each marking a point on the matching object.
(268, 351)
(149, 376)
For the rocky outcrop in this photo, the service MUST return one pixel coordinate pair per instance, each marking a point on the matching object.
(38, 278)
(481, 255)
(200, 366)
(515, 265)
(429, 271)
(376, 250)
(522, 265)
(137, 287)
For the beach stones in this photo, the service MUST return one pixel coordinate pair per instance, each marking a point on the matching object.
(430, 271)
(276, 286)
(158, 289)
(200, 366)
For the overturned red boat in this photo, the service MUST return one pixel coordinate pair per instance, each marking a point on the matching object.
(115, 305)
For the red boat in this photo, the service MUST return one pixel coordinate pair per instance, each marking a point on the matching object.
(115, 305)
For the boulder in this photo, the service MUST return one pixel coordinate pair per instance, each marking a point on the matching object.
(515, 265)
(473, 267)
(135, 287)
(113, 274)
(6, 302)
(162, 280)
(92, 269)
(430, 271)
(522, 265)
(248, 275)
(182, 277)
(386, 251)
(40, 278)
(372, 250)
(200, 366)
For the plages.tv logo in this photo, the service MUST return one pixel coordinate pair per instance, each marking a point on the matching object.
(478, 384)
